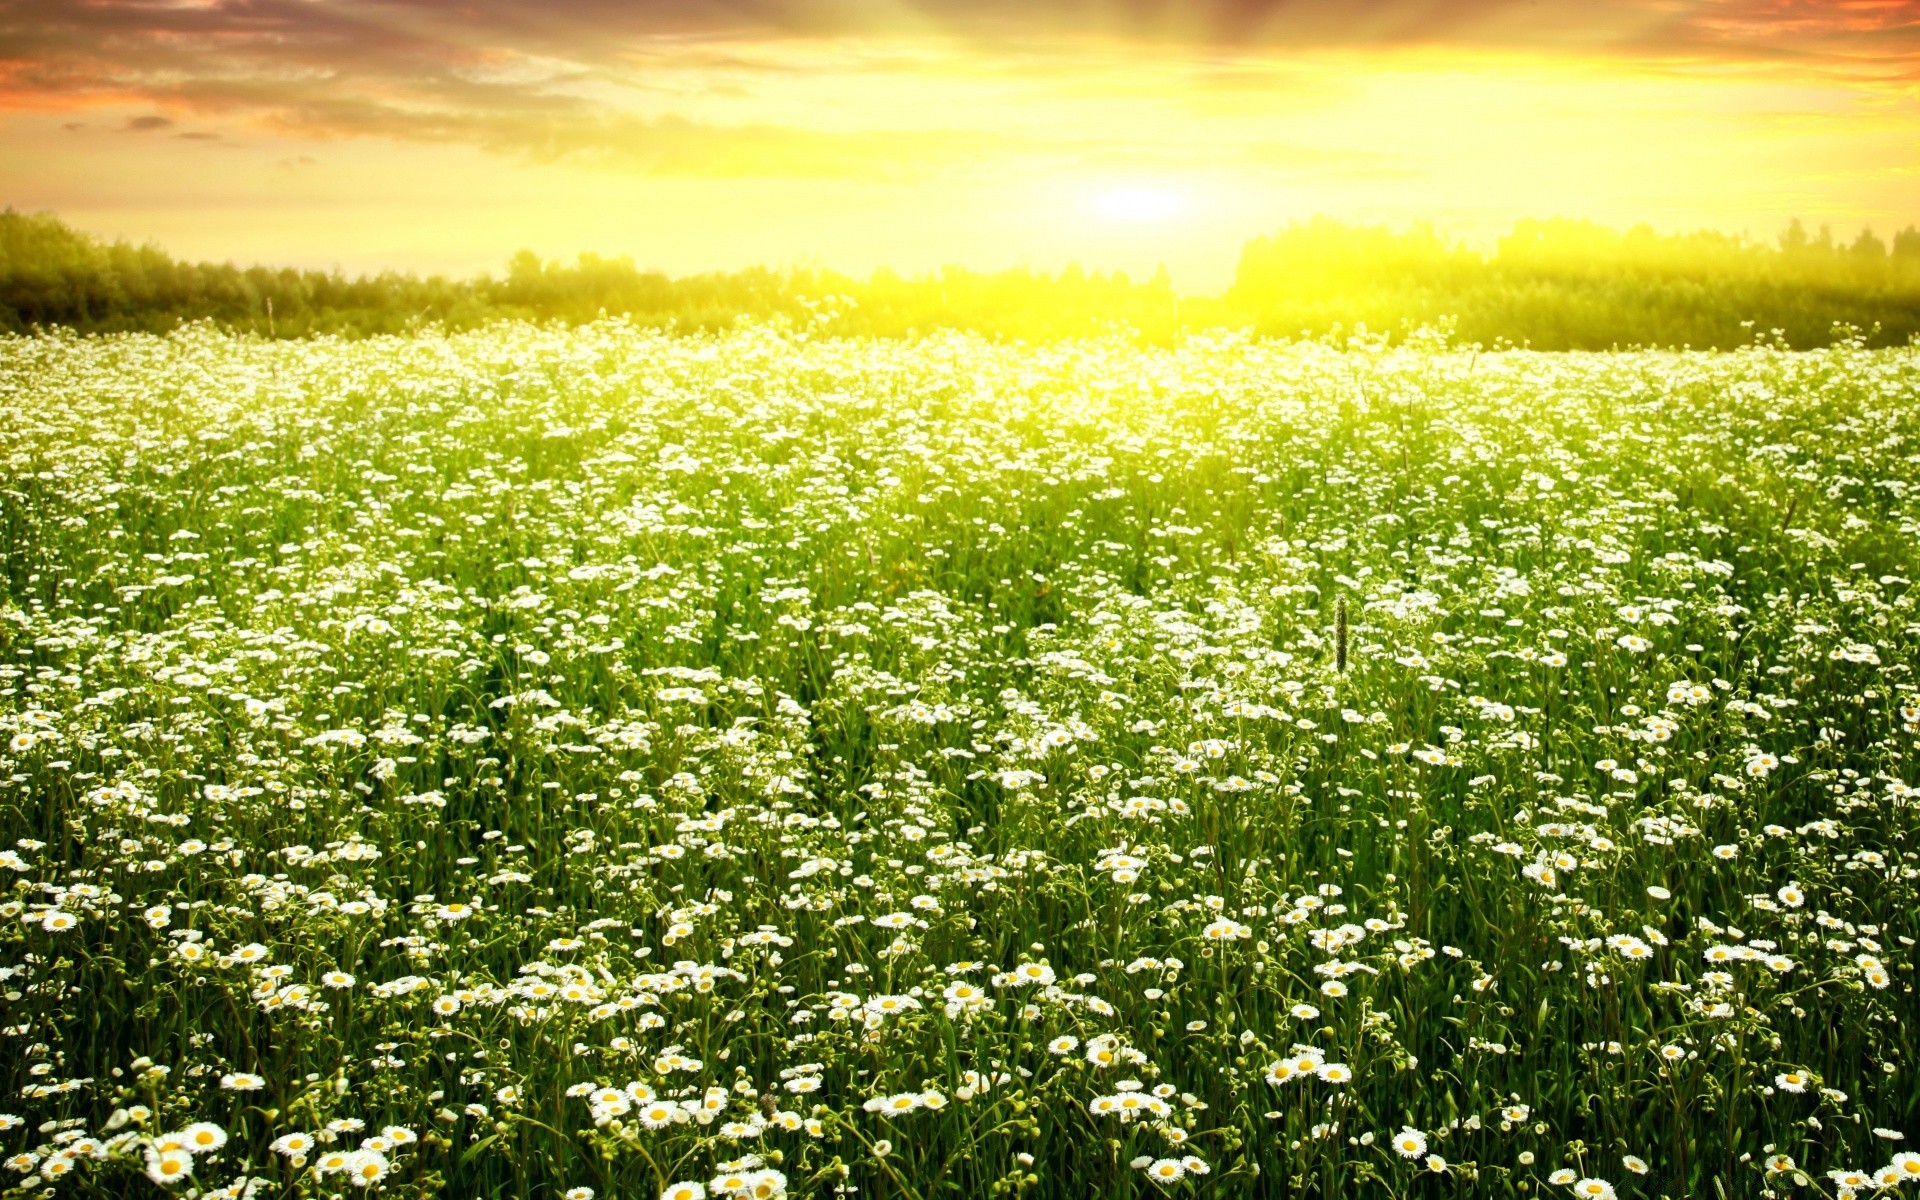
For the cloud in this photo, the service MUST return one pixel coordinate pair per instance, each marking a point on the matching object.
(1868, 41)
(543, 82)
(561, 80)
(664, 145)
(1834, 33)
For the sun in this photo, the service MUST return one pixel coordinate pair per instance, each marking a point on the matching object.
(1139, 202)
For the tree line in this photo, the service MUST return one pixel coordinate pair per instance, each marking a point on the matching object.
(1549, 284)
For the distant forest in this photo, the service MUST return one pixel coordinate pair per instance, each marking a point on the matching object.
(1551, 285)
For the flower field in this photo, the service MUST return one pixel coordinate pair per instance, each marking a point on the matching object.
(604, 764)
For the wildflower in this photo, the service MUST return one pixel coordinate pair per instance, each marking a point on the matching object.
(1410, 1143)
(1103, 1051)
(292, 1145)
(1593, 1189)
(608, 1103)
(366, 1168)
(898, 1105)
(162, 1142)
(765, 1184)
(660, 1114)
(1033, 974)
(203, 1137)
(963, 997)
(169, 1166)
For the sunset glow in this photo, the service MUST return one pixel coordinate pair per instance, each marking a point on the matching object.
(436, 136)
(1140, 203)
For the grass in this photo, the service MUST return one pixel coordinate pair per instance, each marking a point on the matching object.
(527, 761)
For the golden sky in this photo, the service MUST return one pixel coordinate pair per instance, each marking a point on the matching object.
(444, 134)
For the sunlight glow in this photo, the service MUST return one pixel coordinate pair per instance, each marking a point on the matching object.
(913, 152)
(1139, 203)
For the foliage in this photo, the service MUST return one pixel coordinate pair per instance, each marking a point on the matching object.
(1572, 285)
(1551, 285)
(51, 275)
(532, 761)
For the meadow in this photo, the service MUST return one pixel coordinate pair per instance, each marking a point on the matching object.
(571, 763)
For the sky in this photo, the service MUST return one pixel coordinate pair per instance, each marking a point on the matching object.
(442, 135)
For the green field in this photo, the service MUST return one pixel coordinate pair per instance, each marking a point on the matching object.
(528, 761)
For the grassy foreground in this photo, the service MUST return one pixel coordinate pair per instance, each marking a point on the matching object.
(539, 764)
